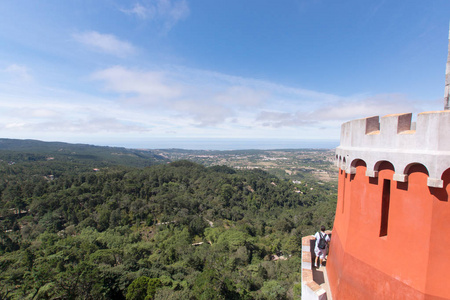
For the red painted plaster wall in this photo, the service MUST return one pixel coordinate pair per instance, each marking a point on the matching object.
(438, 278)
(411, 260)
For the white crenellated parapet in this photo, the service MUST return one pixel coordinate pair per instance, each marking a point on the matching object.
(394, 138)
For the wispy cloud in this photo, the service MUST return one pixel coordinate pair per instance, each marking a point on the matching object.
(105, 43)
(37, 113)
(165, 12)
(208, 99)
(283, 119)
(90, 125)
(53, 114)
(345, 109)
(241, 96)
(186, 95)
(148, 84)
(185, 102)
(203, 113)
(140, 11)
(17, 72)
(360, 107)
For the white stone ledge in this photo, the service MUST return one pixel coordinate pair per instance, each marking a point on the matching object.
(371, 173)
(434, 182)
(436, 162)
(400, 177)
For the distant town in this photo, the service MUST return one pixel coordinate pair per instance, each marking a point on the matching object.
(295, 165)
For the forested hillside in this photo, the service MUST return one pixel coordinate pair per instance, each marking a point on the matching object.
(12, 150)
(176, 230)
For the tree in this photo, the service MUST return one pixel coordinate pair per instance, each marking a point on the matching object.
(143, 288)
(152, 286)
(137, 290)
(272, 290)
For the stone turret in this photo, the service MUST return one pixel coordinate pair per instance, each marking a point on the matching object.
(391, 230)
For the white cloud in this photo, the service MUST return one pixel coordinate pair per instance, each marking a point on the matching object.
(203, 113)
(140, 11)
(44, 113)
(361, 107)
(339, 111)
(182, 102)
(265, 88)
(18, 72)
(241, 96)
(105, 43)
(13, 125)
(84, 125)
(282, 119)
(208, 99)
(165, 12)
(196, 99)
(148, 85)
(54, 115)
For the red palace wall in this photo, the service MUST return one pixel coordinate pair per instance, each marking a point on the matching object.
(411, 258)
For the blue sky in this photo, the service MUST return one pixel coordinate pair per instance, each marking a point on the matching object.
(111, 72)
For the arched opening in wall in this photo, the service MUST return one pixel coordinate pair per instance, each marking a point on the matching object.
(416, 167)
(380, 166)
(383, 165)
(359, 166)
(412, 170)
(442, 193)
(386, 194)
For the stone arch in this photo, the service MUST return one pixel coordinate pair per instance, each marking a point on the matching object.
(446, 176)
(339, 163)
(379, 166)
(383, 165)
(442, 193)
(416, 167)
(410, 171)
(356, 163)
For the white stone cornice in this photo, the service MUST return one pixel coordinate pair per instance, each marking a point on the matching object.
(393, 139)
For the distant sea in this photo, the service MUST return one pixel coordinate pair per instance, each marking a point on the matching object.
(234, 144)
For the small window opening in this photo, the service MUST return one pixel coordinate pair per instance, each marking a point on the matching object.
(343, 197)
(385, 207)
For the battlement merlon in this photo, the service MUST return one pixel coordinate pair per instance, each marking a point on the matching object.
(394, 138)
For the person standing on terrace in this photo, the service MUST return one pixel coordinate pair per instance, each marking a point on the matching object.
(320, 249)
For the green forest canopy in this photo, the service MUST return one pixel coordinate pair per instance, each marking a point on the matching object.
(176, 230)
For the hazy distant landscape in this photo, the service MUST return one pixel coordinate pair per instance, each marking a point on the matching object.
(232, 144)
(294, 164)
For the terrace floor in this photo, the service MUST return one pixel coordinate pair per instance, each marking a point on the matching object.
(321, 278)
